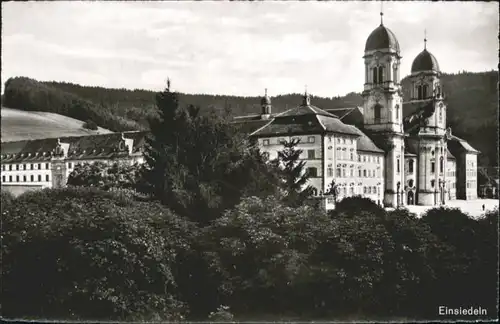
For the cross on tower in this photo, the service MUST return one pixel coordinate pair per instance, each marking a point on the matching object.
(381, 13)
(425, 38)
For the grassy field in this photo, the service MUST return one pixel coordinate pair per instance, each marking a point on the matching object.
(21, 125)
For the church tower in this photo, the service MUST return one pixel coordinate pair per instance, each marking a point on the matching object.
(429, 140)
(265, 104)
(382, 105)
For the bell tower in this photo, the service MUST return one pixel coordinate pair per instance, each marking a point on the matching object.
(382, 105)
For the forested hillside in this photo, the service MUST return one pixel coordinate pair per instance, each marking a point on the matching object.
(472, 100)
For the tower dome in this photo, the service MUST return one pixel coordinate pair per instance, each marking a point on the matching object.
(265, 100)
(425, 61)
(382, 38)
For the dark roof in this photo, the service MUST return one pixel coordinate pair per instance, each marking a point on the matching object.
(351, 115)
(290, 125)
(415, 113)
(250, 126)
(382, 38)
(425, 61)
(305, 110)
(463, 144)
(409, 149)
(305, 118)
(449, 155)
(102, 146)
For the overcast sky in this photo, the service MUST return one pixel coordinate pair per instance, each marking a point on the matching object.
(236, 48)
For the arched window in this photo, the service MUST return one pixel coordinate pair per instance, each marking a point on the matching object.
(433, 182)
(398, 168)
(377, 112)
(380, 74)
(410, 166)
(375, 75)
(419, 92)
(424, 91)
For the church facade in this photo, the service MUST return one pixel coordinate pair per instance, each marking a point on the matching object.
(392, 151)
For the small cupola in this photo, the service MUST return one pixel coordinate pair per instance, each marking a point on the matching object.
(266, 106)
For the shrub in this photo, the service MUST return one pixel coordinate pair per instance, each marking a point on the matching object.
(89, 124)
(85, 253)
(221, 315)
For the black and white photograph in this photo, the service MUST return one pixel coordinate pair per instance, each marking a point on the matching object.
(249, 161)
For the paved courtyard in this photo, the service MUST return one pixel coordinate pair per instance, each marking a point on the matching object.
(472, 207)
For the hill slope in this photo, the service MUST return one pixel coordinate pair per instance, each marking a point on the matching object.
(472, 100)
(21, 125)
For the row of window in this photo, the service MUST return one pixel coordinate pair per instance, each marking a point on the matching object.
(28, 166)
(25, 178)
(267, 142)
(472, 173)
(344, 173)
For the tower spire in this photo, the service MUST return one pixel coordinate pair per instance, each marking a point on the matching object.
(425, 39)
(381, 13)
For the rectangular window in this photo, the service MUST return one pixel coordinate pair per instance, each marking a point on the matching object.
(47, 177)
(25, 179)
(313, 172)
(39, 178)
(433, 167)
(32, 166)
(338, 173)
(17, 178)
(352, 156)
(352, 172)
(329, 172)
(364, 173)
(10, 178)
(32, 178)
(311, 139)
(10, 167)
(39, 166)
(46, 166)
(359, 173)
(364, 158)
(344, 173)
(311, 154)
(265, 142)
(359, 158)
(3, 178)
(70, 165)
(17, 167)
(398, 168)
(352, 191)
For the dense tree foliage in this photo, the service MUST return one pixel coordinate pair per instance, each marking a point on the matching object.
(105, 176)
(84, 253)
(200, 165)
